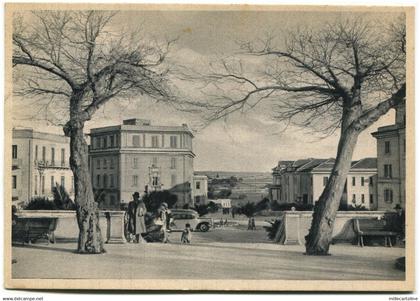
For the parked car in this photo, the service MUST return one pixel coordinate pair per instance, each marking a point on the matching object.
(189, 216)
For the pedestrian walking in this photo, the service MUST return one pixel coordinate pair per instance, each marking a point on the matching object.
(186, 234)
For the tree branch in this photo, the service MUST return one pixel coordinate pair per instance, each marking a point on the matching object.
(371, 116)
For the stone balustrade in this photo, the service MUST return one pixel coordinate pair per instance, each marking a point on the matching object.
(296, 225)
(111, 223)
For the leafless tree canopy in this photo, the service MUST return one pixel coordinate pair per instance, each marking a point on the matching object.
(312, 75)
(79, 51)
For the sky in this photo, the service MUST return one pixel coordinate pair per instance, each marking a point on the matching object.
(249, 141)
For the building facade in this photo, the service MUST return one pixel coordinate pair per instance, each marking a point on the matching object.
(391, 162)
(39, 162)
(199, 189)
(138, 156)
(303, 181)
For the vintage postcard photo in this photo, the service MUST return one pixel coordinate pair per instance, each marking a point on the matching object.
(173, 147)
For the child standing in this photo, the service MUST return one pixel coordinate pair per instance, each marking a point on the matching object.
(186, 234)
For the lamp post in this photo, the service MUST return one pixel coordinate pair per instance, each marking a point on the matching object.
(40, 165)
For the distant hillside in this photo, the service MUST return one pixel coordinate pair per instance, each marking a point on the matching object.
(250, 186)
(239, 174)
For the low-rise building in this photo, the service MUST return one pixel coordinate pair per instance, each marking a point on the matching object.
(303, 181)
(138, 156)
(39, 162)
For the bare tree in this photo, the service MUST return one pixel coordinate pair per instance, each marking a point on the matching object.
(75, 59)
(345, 76)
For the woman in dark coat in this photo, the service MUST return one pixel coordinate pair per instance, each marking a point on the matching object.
(136, 213)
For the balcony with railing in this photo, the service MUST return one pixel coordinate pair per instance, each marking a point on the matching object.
(51, 164)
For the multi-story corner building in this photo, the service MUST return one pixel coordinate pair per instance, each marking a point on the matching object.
(391, 162)
(303, 181)
(200, 189)
(39, 162)
(138, 156)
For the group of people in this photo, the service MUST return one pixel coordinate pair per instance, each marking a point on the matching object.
(136, 220)
(159, 226)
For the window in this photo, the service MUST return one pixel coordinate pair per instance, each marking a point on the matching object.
(388, 195)
(52, 183)
(112, 199)
(36, 152)
(362, 181)
(14, 182)
(98, 164)
(353, 199)
(173, 163)
(14, 151)
(353, 181)
(105, 164)
(63, 157)
(388, 171)
(371, 181)
(44, 151)
(371, 198)
(105, 142)
(387, 147)
(155, 161)
(325, 181)
(111, 181)
(111, 163)
(363, 198)
(174, 142)
(42, 184)
(63, 181)
(105, 180)
(135, 162)
(52, 156)
(197, 185)
(36, 185)
(98, 142)
(111, 141)
(98, 181)
(155, 141)
(173, 180)
(135, 180)
(136, 140)
(155, 181)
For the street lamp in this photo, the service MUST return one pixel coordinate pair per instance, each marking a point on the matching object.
(40, 165)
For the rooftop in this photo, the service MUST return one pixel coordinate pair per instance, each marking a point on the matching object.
(141, 125)
(30, 133)
(365, 163)
(315, 164)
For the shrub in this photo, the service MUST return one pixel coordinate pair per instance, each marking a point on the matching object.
(273, 228)
(202, 209)
(249, 209)
(62, 199)
(154, 199)
(212, 207)
(344, 207)
(288, 206)
(40, 203)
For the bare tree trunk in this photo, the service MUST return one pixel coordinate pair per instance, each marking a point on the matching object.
(90, 238)
(320, 235)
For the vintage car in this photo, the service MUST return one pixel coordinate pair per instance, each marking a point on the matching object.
(181, 217)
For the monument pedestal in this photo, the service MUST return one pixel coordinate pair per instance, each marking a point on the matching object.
(115, 227)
